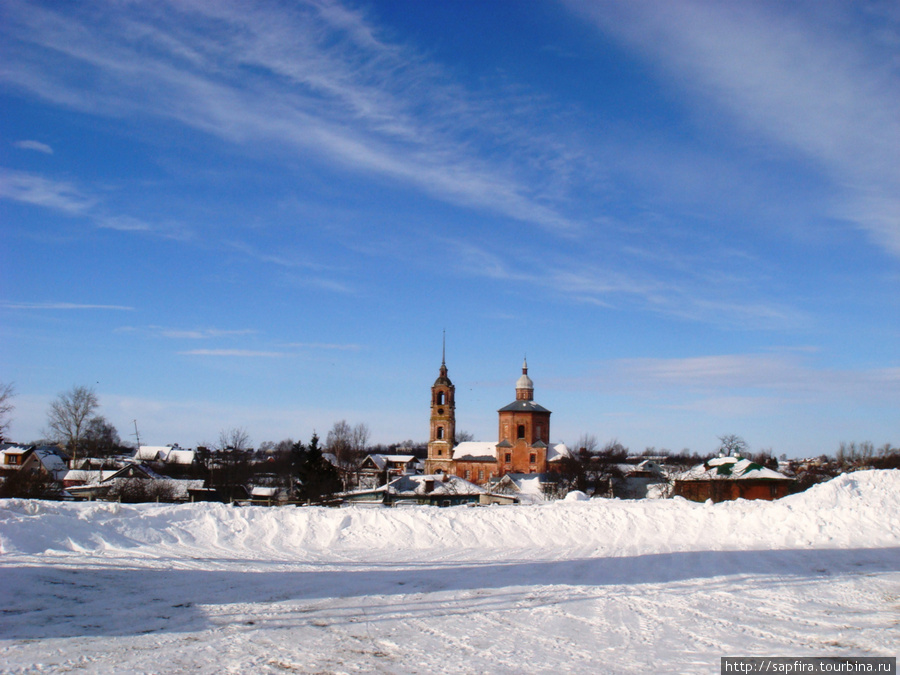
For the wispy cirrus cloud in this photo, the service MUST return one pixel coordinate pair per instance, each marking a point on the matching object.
(803, 76)
(781, 373)
(37, 146)
(325, 346)
(188, 334)
(325, 81)
(237, 353)
(689, 295)
(21, 186)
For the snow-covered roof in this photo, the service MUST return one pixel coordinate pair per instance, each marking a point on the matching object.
(264, 492)
(402, 459)
(14, 450)
(443, 484)
(87, 476)
(380, 461)
(150, 453)
(164, 453)
(557, 452)
(731, 468)
(476, 451)
(52, 462)
(178, 456)
(526, 483)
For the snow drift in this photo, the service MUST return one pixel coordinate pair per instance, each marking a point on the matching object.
(853, 511)
(576, 586)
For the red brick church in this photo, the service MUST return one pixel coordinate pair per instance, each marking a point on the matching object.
(524, 436)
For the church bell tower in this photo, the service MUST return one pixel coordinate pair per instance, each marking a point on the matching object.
(442, 435)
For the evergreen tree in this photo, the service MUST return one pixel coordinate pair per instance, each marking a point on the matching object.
(319, 479)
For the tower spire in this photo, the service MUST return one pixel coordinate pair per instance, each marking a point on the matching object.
(444, 349)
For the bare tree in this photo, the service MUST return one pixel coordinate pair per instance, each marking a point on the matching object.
(6, 407)
(732, 445)
(347, 444)
(233, 439)
(359, 439)
(337, 442)
(69, 415)
(588, 443)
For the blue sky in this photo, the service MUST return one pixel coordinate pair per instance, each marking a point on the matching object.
(686, 214)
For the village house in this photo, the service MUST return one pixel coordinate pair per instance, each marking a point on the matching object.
(134, 482)
(44, 460)
(430, 490)
(378, 469)
(726, 478)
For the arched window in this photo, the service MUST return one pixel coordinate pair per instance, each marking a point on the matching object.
(521, 431)
(440, 398)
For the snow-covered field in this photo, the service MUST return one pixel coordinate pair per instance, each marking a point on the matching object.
(603, 586)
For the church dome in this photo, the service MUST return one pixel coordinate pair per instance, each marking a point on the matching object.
(524, 382)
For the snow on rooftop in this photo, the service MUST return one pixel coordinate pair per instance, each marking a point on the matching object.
(557, 452)
(440, 484)
(476, 450)
(731, 468)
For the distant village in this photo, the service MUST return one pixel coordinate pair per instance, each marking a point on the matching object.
(87, 461)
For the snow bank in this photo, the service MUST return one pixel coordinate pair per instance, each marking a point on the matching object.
(855, 510)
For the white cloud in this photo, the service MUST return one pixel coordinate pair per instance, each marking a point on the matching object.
(37, 146)
(324, 82)
(800, 75)
(240, 353)
(777, 373)
(201, 334)
(25, 187)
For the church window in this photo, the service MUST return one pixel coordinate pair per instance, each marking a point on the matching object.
(440, 398)
(440, 432)
(480, 474)
(539, 431)
(521, 431)
(508, 457)
(440, 452)
(532, 458)
(467, 475)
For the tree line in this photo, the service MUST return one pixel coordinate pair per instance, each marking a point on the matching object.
(302, 470)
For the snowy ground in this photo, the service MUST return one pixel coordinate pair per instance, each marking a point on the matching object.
(581, 587)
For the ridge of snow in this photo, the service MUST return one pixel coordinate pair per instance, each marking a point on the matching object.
(853, 510)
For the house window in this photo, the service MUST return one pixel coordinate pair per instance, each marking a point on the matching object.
(532, 458)
(508, 457)
(12, 459)
(466, 476)
(480, 474)
(521, 431)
